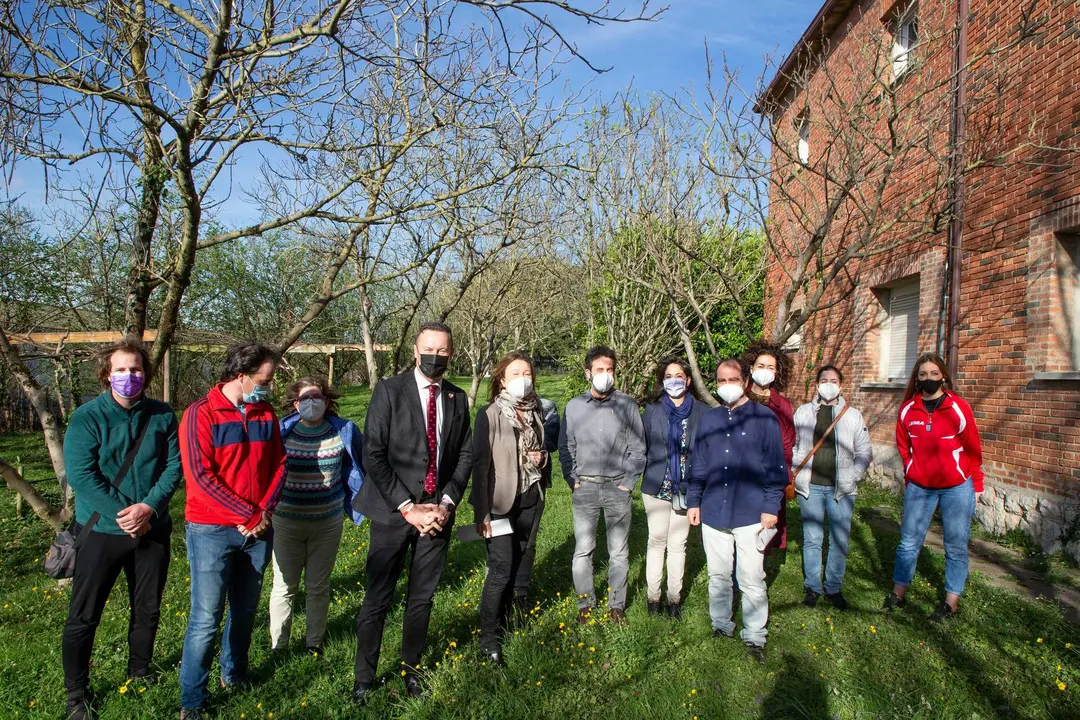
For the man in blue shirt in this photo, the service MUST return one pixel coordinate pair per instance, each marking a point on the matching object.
(737, 480)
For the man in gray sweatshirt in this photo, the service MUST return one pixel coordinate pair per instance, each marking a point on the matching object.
(602, 453)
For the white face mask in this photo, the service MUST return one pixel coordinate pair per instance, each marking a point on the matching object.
(729, 392)
(519, 387)
(763, 377)
(675, 387)
(603, 382)
(828, 391)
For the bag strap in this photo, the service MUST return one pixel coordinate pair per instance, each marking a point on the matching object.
(819, 442)
(118, 479)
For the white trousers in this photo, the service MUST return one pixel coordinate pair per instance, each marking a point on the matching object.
(721, 549)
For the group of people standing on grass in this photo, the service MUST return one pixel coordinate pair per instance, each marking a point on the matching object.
(262, 491)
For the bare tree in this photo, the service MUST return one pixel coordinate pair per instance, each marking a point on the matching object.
(176, 105)
(845, 158)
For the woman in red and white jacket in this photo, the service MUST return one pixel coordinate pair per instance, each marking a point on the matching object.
(939, 444)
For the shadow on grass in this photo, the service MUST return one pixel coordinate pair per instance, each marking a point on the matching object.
(798, 692)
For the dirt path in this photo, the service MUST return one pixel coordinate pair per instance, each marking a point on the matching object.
(1003, 567)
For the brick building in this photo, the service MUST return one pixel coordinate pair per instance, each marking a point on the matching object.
(984, 271)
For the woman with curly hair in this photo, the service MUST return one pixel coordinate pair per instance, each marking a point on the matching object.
(770, 368)
(325, 468)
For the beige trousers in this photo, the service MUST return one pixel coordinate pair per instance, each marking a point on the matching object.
(668, 531)
(308, 548)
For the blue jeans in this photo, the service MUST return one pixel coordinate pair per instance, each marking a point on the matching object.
(957, 508)
(224, 565)
(822, 503)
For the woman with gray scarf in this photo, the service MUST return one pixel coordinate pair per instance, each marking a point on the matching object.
(511, 471)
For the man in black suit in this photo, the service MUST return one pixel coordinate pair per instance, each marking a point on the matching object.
(418, 457)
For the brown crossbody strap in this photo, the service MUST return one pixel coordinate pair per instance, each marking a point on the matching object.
(818, 446)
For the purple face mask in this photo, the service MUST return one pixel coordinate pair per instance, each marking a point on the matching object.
(127, 385)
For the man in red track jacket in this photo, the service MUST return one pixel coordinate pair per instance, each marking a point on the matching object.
(234, 468)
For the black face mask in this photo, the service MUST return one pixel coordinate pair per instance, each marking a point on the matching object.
(930, 387)
(434, 366)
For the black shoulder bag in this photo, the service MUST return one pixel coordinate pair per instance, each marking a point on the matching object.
(60, 560)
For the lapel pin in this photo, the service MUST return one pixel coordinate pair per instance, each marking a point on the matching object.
(450, 396)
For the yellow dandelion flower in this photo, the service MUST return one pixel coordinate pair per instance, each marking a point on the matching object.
(1061, 685)
(122, 689)
(694, 691)
(873, 629)
(1038, 640)
(537, 683)
(1068, 646)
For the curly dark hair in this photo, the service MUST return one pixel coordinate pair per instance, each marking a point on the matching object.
(246, 359)
(292, 393)
(783, 361)
(658, 392)
(129, 344)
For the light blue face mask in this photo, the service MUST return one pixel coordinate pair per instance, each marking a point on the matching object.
(259, 393)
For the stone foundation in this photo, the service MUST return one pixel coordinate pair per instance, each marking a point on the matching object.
(1050, 519)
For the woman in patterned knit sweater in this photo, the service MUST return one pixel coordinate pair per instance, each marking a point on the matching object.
(325, 470)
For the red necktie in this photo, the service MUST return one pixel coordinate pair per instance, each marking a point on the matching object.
(430, 481)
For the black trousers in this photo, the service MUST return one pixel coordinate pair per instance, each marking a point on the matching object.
(389, 547)
(145, 564)
(505, 557)
(525, 570)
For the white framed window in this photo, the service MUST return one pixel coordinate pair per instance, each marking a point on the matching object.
(803, 148)
(899, 330)
(794, 343)
(1068, 270)
(905, 38)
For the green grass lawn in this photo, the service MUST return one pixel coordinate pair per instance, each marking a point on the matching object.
(1003, 657)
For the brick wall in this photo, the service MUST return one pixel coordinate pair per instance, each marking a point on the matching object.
(1014, 348)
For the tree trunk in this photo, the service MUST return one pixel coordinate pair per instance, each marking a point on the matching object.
(692, 359)
(153, 176)
(185, 259)
(474, 386)
(39, 399)
(55, 517)
(369, 340)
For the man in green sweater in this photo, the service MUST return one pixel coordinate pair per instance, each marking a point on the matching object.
(131, 532)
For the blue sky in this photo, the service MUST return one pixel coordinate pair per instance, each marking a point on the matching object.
(670, 54)
(662, 56)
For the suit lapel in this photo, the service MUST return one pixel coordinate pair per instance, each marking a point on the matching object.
(412, 401)
(447, 398)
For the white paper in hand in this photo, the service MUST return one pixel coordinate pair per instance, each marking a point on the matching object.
(764, 537)
(467, 533)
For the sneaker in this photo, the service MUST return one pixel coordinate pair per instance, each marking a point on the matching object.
(674, 610)
(757, 652)
(315, 650)
(191, 714)
(618, 617)
(654, 608)
(943, 612)
(894, 601)
(718, 633)
(584, 616)
(837, 600)
(811, 598)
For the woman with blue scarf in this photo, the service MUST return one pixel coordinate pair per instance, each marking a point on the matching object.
(671, 417)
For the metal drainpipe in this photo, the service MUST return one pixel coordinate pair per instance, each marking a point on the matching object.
(956, 165)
